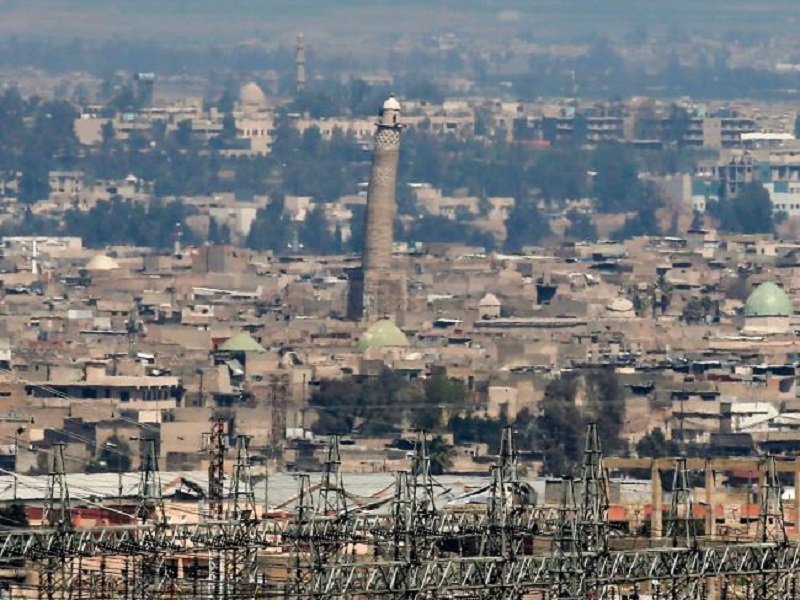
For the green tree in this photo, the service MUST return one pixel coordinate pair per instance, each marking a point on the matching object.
(677, 125)
(315, 235)
(697, 309)
(562, 423)
(441, 455)
(580, 227)
(439, 394)
(14, 515)
(371, 405)
(218, 234)
(645, 126)
(560, 174)
(475, 429)
(435, 228)
(616, 182)
(183, 133)
(226, 102)
(328, 400)
(35, 181)
(606, 407)
(107, 133)
(656, 445)
(440, 389)
(750, 211)
(644, 222)
(119, 221)
(526, 225)
(271, 229)
(561, 426)
(124, 101)
(316, 104)
(228, 126)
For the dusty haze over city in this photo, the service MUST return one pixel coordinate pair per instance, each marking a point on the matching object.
(343, 21)
(458, 299)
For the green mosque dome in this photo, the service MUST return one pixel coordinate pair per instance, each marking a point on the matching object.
(382, 334)
(242, 342)
(768, 300)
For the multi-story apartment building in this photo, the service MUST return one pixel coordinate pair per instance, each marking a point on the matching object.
(717, 132)
(777, 169)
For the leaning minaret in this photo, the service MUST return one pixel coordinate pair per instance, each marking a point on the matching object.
(379, 290)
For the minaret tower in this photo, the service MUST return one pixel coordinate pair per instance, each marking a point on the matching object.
(379, 290)
(300, 64)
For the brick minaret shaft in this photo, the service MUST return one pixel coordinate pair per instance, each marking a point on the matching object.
(379, 234)
(378, 290)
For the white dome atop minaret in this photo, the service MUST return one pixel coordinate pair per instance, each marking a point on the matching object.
(391, 104)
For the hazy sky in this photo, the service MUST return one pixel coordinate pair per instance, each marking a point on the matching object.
(201, 21)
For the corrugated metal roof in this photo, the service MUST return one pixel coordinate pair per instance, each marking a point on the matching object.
(362, 488)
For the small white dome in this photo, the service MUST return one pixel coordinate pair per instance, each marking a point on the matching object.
(620, 305)
(252, 95)
(489, 300)
(101, 262)
(391, 104)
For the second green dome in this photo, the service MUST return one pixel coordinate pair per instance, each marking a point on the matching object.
(768, 300)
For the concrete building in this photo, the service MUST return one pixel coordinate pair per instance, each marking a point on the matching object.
(777, 169)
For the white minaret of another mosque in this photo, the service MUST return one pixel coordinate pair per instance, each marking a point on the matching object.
(300, 64)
